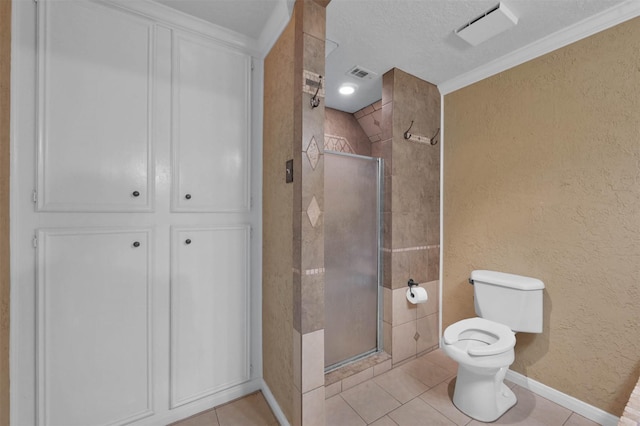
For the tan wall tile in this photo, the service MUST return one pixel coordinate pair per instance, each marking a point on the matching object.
(343, 124)
(427, 328)
(404, 344)
(312, 315)
(314, 21)
(403, 310)
(312, 360)
(387, 303)
(313, 413)
(433, 303)
(399, 269)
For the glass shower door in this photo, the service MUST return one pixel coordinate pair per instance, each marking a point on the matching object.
(352, 240)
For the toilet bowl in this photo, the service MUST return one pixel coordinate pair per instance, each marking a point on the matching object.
(484, 351)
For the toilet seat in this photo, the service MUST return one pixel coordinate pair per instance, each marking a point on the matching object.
(505, 339)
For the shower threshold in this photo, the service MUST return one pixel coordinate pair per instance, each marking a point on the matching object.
(376, 361)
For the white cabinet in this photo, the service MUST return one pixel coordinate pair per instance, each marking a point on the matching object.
(94, 108)
(94, 333)
(209, 311)
(210, 126)
(120, 115)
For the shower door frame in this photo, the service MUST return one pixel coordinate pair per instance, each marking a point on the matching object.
(379, 239)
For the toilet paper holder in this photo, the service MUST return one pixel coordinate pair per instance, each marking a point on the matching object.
(411, 283)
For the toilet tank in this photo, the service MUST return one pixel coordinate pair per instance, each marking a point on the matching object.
(512, 300)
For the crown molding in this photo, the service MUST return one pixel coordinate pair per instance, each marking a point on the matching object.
(599, 22)
(176, 19)
(275, 25)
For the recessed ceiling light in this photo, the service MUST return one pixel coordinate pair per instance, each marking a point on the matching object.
(347, 89)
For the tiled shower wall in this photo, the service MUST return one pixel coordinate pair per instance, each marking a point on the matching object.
(344, 134)
(411, 217)
(412, 202)
(293, 224)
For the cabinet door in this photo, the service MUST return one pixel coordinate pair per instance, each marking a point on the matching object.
(209, 311)
(210, 139)
(93, 326)
(94, 102)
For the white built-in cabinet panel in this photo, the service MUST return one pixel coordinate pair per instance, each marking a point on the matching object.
(209, 310)
(121, 321)
(95, 78)
(94, 332)
(210, 120)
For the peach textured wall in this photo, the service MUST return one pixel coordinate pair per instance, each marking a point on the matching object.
(277, 257)
(542, 178)
(5, 68)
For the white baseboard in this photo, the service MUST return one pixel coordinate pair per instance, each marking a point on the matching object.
(589, 411)
(275, 407)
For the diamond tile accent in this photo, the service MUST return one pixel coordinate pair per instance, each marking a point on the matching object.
(416, 336)
(313, 153)
(313, 212)
(337, 143)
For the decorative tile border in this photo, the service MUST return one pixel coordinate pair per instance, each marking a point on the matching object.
(310, 83)
(316, 271)
(337, 143)
(404, 249)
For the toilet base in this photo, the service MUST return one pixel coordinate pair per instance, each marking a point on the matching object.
(481, 393)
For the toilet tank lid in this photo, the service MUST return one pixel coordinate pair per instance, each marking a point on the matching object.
(503, 279)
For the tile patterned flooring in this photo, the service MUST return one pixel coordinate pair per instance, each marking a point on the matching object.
(251, 410)
(415, 394)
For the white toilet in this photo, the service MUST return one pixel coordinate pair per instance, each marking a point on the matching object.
(483, 347)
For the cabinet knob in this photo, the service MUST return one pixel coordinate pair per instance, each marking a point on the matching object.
(135, 194)
(187, 241)
(136, 244)
(188, 196)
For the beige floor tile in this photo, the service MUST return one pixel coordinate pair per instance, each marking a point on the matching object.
(426, 371)
(370, 401)
(248, 411)
(439, 358)
(418, 413)
(441, 398)
(401, 385)
(384, 421)
(577, 420)
(532, 410)
(206, 418)
(338, 412)
(510, 384)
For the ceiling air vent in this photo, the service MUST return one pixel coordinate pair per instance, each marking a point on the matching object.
(361, 73)
(489, 24)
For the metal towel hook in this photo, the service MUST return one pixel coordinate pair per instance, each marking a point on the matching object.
(407, 135)
(432, 141)
(315, 100)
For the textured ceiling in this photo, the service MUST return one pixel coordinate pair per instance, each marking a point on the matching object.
(416, 36)
(247, 17)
